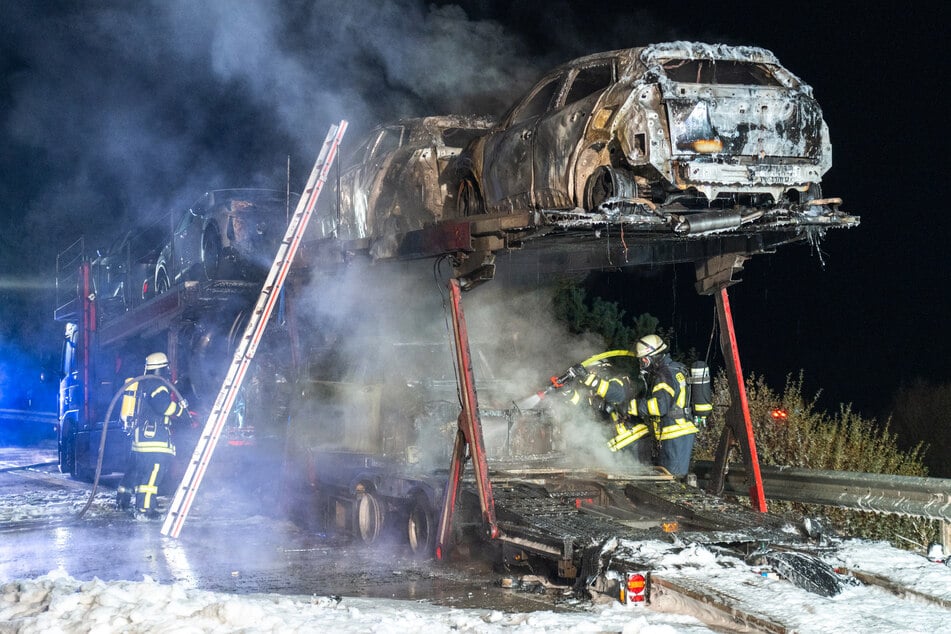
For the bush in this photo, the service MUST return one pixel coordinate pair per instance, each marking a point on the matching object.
(813, 439)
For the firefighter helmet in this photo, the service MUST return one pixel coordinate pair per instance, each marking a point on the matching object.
(647, 348)
(649, 345)
(155, 362)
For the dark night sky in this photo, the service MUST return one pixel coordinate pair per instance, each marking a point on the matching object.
(117, 111)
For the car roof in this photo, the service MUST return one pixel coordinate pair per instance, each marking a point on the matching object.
(650, 54)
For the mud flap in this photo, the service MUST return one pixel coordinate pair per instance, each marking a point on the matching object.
(808, 572)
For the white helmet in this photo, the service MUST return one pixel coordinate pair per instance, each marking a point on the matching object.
(156, 361)
(647, 347)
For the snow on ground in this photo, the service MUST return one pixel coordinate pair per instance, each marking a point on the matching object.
(859, 607)
(898, 566)
(58, 602)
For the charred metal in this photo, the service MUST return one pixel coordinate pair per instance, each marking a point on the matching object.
(665, 143)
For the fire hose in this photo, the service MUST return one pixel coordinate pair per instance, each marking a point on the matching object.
(556, 382)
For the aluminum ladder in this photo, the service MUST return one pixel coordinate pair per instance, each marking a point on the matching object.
(247, 346)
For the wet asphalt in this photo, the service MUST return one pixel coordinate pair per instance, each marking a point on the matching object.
(231, 542)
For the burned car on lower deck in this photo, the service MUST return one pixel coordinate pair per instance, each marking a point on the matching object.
(665, 130)
(122, 274)
(398, 178)
(227, 234)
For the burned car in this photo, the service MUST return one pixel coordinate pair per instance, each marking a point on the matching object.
(228, 234)
(398, 179)
(123, 273)
(663, 130)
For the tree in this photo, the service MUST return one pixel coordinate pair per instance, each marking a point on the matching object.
(600, 317)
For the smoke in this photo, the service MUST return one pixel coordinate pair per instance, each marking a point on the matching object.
(137, 108)
(383, 371)
(115, 115)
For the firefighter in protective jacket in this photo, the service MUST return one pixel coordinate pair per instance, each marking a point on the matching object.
(609, 391)
(665, 406)
(152, 446)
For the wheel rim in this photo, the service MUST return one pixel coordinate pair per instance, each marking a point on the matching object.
(420, 528)
(601, 187)
(369, 518)
(211, 255)
(161, 282)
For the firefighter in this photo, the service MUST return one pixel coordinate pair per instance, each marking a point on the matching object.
(665, 405)
(609, 391)
(152, 445)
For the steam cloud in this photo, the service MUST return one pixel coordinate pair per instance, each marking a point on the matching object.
(116, 114)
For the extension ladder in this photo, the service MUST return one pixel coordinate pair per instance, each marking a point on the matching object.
(247, 346)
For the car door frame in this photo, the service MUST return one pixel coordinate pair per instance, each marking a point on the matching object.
(359, 184)
(559, 136)
(507, 173)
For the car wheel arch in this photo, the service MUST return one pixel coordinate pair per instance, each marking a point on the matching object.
(470, 199)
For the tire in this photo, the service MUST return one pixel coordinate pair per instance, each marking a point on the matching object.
(469, 200)
(367, 517)
(607, 183)
(211, 256)
(67, 449)
(83, 474)
(421, 527)
(162, 283)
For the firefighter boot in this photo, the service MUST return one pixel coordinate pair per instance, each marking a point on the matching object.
(123, 499)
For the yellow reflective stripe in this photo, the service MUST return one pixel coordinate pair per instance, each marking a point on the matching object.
(150, 488)
(626, 436)
(153, 447)
(653, 408)
(682, 384)
(702, 407)
(665, 387)
(575, 398)
(682, 427)
(603, 388)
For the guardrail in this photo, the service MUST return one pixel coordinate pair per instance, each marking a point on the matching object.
(913, 496)
(880, 493)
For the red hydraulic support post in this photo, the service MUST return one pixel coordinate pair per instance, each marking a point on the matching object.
(739, 424)
(468, 436)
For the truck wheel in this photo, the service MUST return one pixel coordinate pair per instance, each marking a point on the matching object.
(67, 449)
(369, 517)
(82, 474)
(421, 527)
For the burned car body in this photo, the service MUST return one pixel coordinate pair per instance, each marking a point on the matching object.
(670, 153)
(674, 127)
(123, 274)
(228, 234)
(398, 179)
